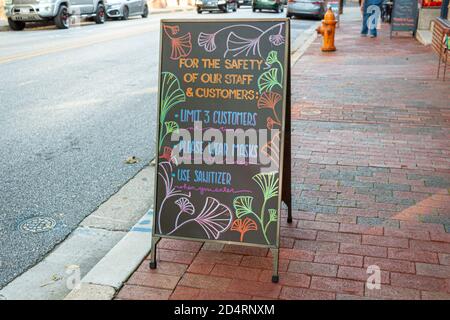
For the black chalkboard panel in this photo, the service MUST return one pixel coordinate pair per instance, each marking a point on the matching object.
(218, 76)
(404, 16)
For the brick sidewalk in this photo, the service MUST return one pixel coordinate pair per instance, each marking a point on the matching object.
(371, 184)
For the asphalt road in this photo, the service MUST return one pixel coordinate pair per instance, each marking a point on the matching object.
(74, 105)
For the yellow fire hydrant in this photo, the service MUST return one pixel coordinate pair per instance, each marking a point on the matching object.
(327, 30)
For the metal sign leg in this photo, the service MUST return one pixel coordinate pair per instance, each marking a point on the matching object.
(155, 241)
(275, 254)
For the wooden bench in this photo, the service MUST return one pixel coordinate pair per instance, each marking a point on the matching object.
(441, 28)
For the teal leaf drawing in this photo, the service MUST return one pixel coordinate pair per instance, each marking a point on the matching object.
(268, 80)
(243, 206)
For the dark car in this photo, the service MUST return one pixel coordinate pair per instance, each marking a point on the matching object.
(244, 3)
(275, 5)
(314, 8)
(216, 5)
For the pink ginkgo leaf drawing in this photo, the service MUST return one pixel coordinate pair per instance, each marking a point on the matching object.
(215, 218)
(276, 39)
(207, 41)
(165, 173)
(181, 46)
(237, 45)
(185, 206)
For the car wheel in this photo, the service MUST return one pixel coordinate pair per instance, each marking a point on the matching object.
(62, 18)
(199, 10)
(235, 7)
(125, 13)
(100, 14)
(16, 25)
(145, 13)
(254, 9)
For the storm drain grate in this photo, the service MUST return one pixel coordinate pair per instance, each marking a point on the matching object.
(37, 224)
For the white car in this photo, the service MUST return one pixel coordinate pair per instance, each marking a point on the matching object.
(122, 9)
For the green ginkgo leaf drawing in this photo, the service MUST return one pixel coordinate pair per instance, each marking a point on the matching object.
(268, 182)
(171, 95)
(268, 79)
(243, 206)
(171, 126)
(272, 58)
(273, 215)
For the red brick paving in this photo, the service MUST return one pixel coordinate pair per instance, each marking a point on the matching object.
(371, 184)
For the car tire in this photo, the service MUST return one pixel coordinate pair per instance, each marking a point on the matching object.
(254, 9)
(235, 7)
(62, 18)
(199, 11)
(145, 13)
(16, 25)
(125, 13)
(100, 15)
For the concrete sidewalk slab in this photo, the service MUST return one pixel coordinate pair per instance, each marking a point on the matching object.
(125, 257)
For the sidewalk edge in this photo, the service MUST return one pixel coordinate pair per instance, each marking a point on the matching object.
(108, 275)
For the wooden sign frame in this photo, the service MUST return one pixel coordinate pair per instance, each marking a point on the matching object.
(284, 171)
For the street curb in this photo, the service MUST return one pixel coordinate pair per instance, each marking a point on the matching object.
(107, 277)
(300, 49)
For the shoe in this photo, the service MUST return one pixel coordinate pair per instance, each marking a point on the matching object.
(373, 36)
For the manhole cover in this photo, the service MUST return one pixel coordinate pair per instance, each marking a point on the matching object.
(37, 224)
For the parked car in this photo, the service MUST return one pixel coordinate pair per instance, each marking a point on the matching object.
(19, 12)
(122, 9)
(244, 3)
(314, 8)
(276, 5)
(216, 5)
